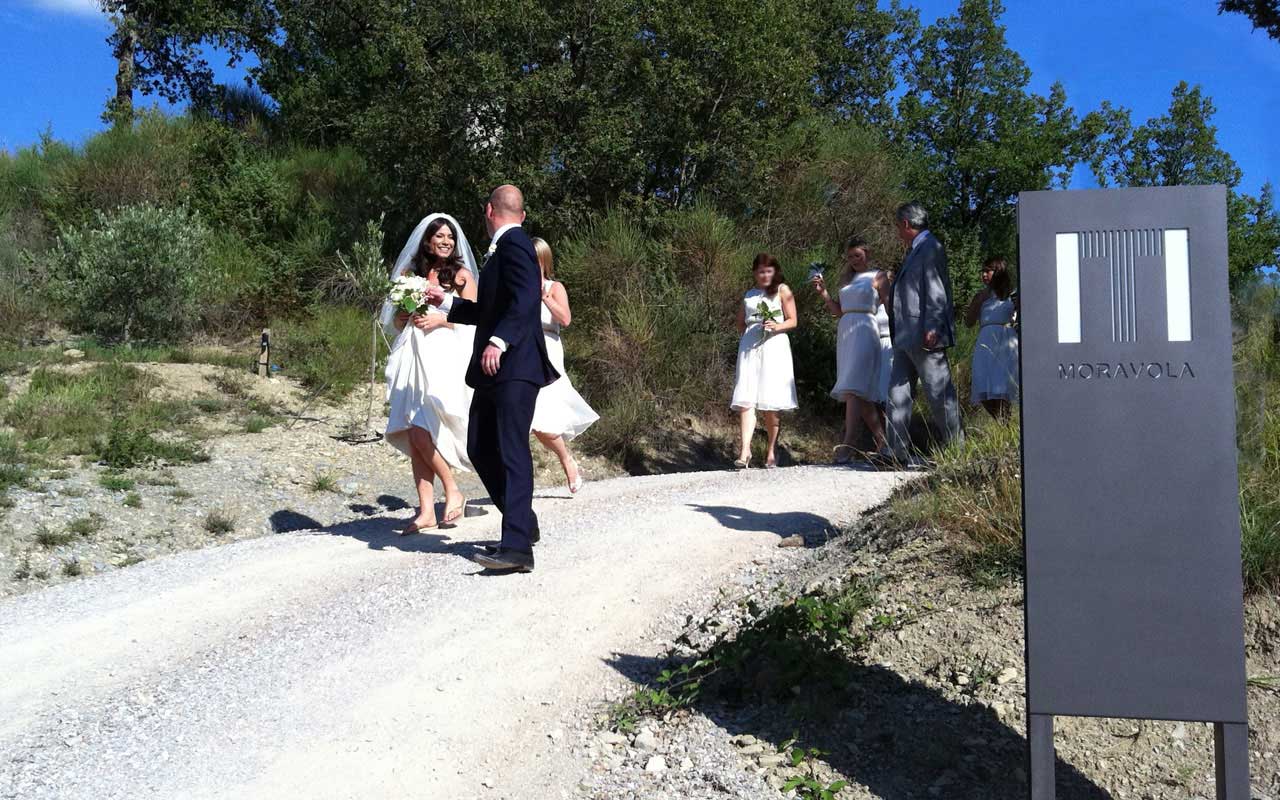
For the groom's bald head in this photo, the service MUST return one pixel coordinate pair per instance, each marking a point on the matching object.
(506, 207)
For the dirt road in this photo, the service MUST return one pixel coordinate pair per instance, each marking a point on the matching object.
(349, 662)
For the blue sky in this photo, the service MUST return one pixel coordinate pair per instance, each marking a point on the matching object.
(58, 70)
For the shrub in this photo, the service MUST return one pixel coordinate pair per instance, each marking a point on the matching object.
(329, 349)
(219, 522)
(116, 483)
(132, 273)
(1257, 373)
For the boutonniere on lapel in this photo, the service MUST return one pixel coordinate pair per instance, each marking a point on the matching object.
(493, 248)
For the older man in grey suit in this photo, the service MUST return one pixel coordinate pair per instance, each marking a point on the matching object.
(922, 324)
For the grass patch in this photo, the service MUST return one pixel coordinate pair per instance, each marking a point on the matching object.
(219, 522)
(257, 424)
(181, 494)
(159, 353)
(23, 571)
(72, 568)
(116, 483)
(209, 404)
(974, 498)
(133, 500)
(85, 526)
(64, 412)
(328, 350)
(162, 478)
(324, 482)
(125, 448)
(50, 539)
(799, 642)
(14, 470)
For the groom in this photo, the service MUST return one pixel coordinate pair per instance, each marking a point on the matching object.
(508, 366)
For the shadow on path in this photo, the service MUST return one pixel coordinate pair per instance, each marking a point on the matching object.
(816, 529)
(899, 738)
(379, 533)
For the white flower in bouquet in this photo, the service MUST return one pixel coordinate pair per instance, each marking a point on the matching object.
(409, 293)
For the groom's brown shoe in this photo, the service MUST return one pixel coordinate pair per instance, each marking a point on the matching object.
(506, 559)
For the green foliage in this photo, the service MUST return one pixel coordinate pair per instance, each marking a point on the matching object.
(1257, 366)
(127, 447)
(115, 482)
(1264, 14)
(50, 539)
(132, 273)
(14, 470)
(1180, 148)
(72, 568)
(329, 348)
(85, 526)
(323, 482)
(974, 498)
(218, 522)
(133, 500)
(975, 136)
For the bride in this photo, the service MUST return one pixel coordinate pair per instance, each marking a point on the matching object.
(429, 398)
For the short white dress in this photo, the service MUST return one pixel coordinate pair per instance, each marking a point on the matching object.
(886, 352)
(427, 388)
(766, 378)
(560, 410)
(995, 356)
(858, 351)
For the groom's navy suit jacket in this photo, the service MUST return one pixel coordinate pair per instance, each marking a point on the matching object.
(508, 305)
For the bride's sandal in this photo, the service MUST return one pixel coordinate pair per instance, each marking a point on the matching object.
(414, 527)
(455, 511)
(576, 483)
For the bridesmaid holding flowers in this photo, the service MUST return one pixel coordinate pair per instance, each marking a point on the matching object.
(765, 379)
(859, 350)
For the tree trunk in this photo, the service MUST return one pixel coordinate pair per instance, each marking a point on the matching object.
(120, 108)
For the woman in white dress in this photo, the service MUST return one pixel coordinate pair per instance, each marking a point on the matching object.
(426, 387)
(765, 377)
(560, 413)
(859, 348)
(994, 377)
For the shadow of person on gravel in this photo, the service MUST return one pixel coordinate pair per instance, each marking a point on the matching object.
(899, 738)
(379, 533)
(814, 528)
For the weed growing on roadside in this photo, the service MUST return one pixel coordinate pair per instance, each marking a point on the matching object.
(72, 568)
(133, 500)
(85, 526)
(324, 482)
(219, 522)
(114, 482)
(50, 539)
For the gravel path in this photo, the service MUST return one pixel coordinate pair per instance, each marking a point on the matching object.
(348, 662)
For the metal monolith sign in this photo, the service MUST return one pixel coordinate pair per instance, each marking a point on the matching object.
(1134, 596)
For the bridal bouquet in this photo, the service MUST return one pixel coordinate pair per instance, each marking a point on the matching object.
(409, 293)
(767, 314)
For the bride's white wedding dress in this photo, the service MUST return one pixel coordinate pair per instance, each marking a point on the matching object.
(426, 372)
(426, 388)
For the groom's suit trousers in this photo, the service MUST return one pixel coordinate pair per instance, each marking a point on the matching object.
(498, 445)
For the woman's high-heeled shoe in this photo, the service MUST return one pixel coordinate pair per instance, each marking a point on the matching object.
(742, 463)
(576, 484)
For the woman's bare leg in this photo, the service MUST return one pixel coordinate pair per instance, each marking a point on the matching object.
(557, 445)
(851, 420)
(424, 478)
(772, 426)
(426, 447)
(746, 429)
(870, 414)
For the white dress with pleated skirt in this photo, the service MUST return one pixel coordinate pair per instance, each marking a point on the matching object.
(858, 350)
(427, 388)
(886, 351)
(766, 376)
(995, 356)
(560, 410)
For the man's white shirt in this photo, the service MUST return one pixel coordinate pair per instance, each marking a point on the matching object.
(447, 303)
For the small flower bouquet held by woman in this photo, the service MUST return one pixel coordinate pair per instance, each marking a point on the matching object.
(767, 314)
(409, 293)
